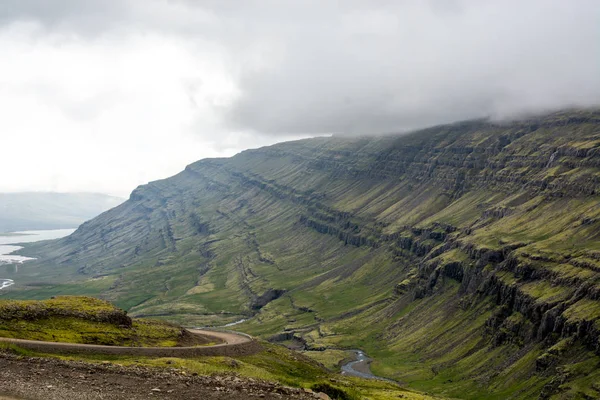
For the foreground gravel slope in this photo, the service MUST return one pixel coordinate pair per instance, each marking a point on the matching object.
(48, 379)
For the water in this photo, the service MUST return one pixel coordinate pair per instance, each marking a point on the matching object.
(7, 258)
(361, 358)
(34, 236)
(7, 246)
(552, 157)
(235, 323)
(4, 283)
(220, 326)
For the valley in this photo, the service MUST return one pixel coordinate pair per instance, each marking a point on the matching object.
(75, 339)
(464, 259)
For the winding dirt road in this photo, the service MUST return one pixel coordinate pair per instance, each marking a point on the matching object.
(231, 344)
(227, 337)
(46, 378)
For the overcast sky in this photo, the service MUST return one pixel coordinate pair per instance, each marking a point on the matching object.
(103, 95)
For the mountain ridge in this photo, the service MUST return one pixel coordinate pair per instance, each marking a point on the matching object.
(467, 254)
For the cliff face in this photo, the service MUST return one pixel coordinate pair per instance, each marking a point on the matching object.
(464, 258)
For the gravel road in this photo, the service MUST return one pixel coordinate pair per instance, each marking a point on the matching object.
(229, 344)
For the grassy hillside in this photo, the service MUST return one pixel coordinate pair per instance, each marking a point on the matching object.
(464, 258)
(46, 210)
(77, 319)
(274, 364)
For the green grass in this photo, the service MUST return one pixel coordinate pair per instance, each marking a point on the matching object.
(76, 306)
(584, 309)
(73, 319)
(275, 363)
(330, 358)
(73, 330)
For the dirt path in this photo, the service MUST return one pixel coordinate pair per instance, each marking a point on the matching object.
(230, 344)
(227, 337)
(36, 378)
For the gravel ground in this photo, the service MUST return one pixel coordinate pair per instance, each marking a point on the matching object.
(33, 378)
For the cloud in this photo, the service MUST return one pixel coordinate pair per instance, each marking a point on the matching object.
(105, 114)
(404, 65)
(107, 94)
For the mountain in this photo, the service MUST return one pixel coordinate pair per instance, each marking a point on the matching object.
(464, 258)
(47, 210)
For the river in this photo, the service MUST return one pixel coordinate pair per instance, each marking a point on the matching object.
(360, 367)
(8, 245)
(234, 323)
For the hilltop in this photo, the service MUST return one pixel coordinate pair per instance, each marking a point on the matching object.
(464, 258)
(86, 320)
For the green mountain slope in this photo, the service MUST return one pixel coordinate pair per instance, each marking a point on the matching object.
(46, 210)
(464, 258)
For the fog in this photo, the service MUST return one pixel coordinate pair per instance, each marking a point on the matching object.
(104, 95)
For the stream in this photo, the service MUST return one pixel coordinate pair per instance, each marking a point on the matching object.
(219, 326)
(360, 367)
(234, 323)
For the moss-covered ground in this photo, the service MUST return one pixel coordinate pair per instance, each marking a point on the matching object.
(77, 319)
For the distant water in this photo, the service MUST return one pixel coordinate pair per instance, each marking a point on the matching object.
(34, 236)
(6, 258)
(4, 283)
(235, 323)
(7, 246)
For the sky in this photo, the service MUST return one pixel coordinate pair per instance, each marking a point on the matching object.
(105, 95)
